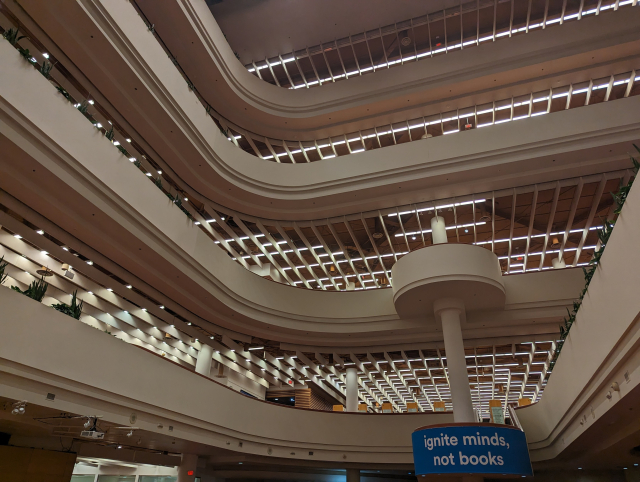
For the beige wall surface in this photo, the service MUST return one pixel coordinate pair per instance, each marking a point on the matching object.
(601, 346)
(88, 368)
(85, 174)
(481, 160)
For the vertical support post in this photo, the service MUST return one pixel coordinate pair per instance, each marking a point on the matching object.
(449, 310)
(352, 389)
(353, 475)
(203, 363)
(187, 469)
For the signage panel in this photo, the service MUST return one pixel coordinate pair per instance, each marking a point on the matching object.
(471, 449)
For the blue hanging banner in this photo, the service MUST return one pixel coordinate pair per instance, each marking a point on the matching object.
(471, 449)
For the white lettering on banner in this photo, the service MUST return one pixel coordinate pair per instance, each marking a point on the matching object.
(442, 441)
(444, 460)
(446, 441)
(482, 459)
(471, 449)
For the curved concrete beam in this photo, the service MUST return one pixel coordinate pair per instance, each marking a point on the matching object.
(132, 73)
(57, 163)
(194, 37)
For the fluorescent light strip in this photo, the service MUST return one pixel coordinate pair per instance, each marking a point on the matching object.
(443, 206)
(561, 233)
(459, 226)
(566, 250)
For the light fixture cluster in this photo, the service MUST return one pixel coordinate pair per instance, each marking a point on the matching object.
(19, 408)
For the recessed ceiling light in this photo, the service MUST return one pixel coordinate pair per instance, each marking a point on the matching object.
(40, 231)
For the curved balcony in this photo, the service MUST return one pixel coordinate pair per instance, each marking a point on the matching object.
(198, 161)
(134, 216)
(437, 32)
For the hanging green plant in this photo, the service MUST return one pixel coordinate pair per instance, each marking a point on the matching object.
(74, 310)
(604, 234)
(36, 289)
(110, 134)
(64, 92)
(83, 107)
(26, 54)
(45, 69)
(11, 36)
(3, 265)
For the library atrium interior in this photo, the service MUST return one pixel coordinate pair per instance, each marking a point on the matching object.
(236, 245)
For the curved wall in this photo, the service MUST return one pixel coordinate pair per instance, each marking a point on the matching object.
(57, 163)
(132, 73)
(603, 348)
(90, 371)
(194, 37)
(465, 272)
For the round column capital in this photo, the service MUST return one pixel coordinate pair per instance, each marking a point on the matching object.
(467, 273)
(448, 304)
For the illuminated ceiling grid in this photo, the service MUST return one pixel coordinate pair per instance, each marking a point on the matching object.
(468, 25)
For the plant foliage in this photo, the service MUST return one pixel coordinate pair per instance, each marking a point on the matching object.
(36, 289)
(74, 310)
(3, 265)
(64, 93)
(619, 198)
(12, 37)
(45, 69)
(83, 107)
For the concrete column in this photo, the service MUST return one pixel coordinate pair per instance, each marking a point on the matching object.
(352, 389)
(450, 310)
(438, 230)
(187, 469)
(558, 263)
(203, 363)
(353, 475)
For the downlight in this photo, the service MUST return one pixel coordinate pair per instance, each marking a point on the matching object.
(19, 408)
